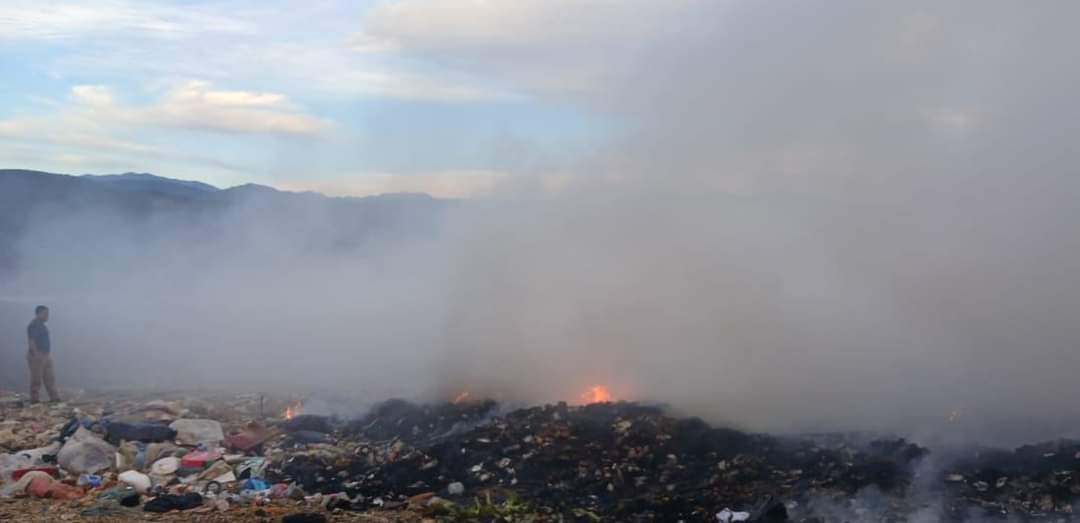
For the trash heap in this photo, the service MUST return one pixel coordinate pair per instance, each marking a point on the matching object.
(615, 461)
(128, 457)
(1033, 482)
(477, 461)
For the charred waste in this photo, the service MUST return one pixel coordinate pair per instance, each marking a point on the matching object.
(477, 460)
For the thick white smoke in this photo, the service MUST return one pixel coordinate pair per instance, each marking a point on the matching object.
(842, 216)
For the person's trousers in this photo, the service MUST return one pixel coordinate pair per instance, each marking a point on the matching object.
(41, 370)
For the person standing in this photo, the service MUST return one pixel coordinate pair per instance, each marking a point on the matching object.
(40, 356)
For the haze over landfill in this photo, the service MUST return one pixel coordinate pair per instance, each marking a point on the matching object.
(775, 216)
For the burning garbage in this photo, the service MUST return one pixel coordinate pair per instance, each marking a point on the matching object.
(597, 394)
(294, 410)
(602, 460)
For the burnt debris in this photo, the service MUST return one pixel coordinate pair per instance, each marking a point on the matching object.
(618, 461)
(478, 461)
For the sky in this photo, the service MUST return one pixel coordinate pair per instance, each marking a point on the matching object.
(343, 97)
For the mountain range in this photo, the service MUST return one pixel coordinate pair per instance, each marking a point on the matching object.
(141, 198)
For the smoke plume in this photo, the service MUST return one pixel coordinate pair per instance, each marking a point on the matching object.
(810, 217)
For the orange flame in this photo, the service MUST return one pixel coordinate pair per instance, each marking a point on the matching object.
(597, 394)
(294, 410)
(461, 398)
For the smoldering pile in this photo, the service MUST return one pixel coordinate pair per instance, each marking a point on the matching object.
(1035, 481)
(478, 460)
(604, 461)
(632, 462)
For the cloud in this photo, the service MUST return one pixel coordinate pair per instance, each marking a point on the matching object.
(32, 19)
(76, 141)
(552, 46)
(412, 86)
(520, 25)
(236, 98)
(70, 129)
(322, 67)
(97, 128)
(257, 43)
(96, 124)
(197, 105)
(445, 184)
(97, 95)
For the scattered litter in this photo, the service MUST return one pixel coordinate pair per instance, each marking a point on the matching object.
(456, 489)
(86, 453)
(609, 461)
(168, 502)
(197, 431)
(727, 516)
(138, 431)
(136, 480)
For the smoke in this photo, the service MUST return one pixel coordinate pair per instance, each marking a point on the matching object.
(279, 295)
(812, 217)
(842, 216)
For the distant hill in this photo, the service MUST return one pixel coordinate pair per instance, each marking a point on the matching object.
(144, 182)
(147, 199)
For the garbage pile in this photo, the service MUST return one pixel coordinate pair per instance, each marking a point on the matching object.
(129, 457)
(475, 461)
(632, 462)
(1032, 482)
(420, 424)
(612, 461)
